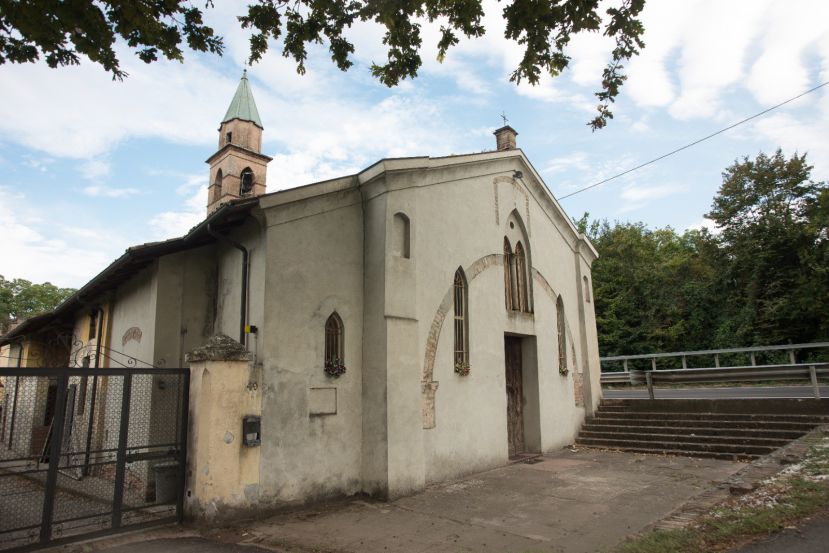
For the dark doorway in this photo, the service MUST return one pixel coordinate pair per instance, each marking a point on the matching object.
(515, 395)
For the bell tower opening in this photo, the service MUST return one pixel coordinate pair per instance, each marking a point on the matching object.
(238, 168)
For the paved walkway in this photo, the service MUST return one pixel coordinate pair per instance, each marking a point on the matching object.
(571, 502)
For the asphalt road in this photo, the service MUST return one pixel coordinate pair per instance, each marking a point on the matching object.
(719, 393)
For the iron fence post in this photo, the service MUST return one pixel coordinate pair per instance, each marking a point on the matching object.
(54, 458)
(185, 422)
(813, 374)
(649, 380)
(121, 458)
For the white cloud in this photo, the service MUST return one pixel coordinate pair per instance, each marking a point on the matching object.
(704, 224)
(170, 224)
(96, 191)
(95, 169)
(576, 160)
(27, 251)
(637, 196)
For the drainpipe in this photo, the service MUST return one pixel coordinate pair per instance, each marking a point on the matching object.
(244, 294)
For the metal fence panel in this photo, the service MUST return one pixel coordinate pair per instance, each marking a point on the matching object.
(89, 451)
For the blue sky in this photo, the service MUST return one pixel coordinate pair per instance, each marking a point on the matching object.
(89, 166)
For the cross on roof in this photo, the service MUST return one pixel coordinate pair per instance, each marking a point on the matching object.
(504, 117)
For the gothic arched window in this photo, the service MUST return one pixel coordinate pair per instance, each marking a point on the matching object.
(520, 260)
(334, 347)
(246, 186)
(461, 295)
(508, 280)
(562, 343)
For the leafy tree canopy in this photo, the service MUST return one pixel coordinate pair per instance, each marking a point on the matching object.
(763, 279)
(20, 299)
(61, 31)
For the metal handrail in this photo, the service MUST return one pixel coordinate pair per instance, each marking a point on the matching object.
(785, 347)
(751, 351)
(748, 373)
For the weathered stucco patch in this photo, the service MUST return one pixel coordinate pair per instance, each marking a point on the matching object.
(133, 333)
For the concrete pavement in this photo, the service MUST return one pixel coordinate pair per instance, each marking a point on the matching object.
(571, 501)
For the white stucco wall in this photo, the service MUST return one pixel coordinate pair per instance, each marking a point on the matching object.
(314, 267)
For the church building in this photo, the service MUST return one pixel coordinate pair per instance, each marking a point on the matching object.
(423, 319)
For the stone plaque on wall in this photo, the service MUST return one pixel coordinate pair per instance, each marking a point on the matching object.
(322, 401)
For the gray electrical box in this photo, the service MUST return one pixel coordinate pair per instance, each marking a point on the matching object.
(251, 431)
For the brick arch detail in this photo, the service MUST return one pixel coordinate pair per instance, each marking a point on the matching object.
(428, 384)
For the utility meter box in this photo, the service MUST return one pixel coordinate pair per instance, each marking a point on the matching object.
(251, 431)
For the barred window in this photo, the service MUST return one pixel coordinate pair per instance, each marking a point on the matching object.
(508, 274)
(562, 343)
(461, 319)
(334, 339)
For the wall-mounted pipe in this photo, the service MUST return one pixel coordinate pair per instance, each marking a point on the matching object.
(244, 300)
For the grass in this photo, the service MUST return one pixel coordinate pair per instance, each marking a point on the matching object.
(794, 494)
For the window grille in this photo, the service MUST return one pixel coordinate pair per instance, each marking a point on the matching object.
(334, 340)
(562, 343)
(461, 320)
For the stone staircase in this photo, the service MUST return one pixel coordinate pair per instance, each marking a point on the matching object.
(722, 429)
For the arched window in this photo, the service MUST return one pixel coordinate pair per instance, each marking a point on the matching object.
(523, 303)
(246, 186)
(586, 289)
(334, 350)
(562, 339)
(508, 273)
(217, 189)
(401, 238)
(461, 323)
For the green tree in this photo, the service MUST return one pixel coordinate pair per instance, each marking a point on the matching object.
(774, 235)
(63, 31)
(20, 299)
(654, 290)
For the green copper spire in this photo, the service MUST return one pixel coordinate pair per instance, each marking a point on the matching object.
(242, 106)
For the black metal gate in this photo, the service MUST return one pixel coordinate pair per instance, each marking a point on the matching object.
(87, 451)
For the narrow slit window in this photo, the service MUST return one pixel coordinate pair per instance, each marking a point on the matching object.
(93, 325)
(334, 340)
(562, 343)
(586, 289)
(461, 321)
(523, 303)
(228, 138)
(508, 274)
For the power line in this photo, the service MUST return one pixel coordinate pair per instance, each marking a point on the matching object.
(695, 142)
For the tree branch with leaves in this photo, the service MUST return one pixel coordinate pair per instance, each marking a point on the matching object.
(61, 32)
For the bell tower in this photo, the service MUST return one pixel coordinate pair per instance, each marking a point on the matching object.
(238, 168)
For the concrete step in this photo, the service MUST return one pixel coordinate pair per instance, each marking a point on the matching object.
(695, 437)
(787, 435)
(689, 445)
(617, 413)
(681, 453)
(679, 421)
